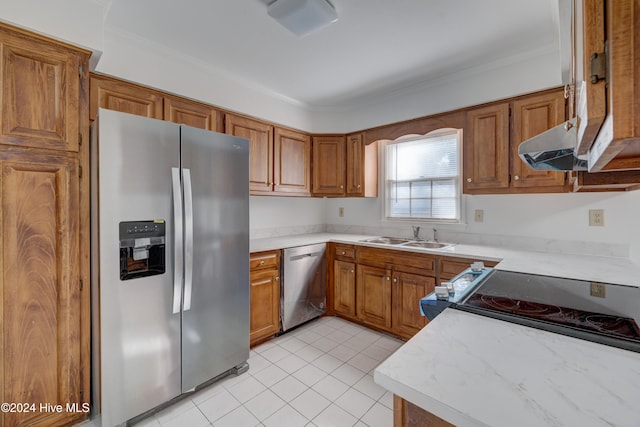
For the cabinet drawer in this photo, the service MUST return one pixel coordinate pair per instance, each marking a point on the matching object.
(264, 260)
(451, 267)
(397, 260)
(344, 252)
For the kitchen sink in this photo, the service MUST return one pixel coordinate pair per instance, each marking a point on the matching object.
(387, 240)
(428, 245)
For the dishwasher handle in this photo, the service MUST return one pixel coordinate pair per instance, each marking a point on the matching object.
(305, 256)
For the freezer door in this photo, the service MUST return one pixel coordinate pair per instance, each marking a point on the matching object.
(138, 362)
(215, 316)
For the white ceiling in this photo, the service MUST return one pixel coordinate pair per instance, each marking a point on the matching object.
(375, 47)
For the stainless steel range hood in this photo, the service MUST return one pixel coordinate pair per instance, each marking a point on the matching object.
(553, 149)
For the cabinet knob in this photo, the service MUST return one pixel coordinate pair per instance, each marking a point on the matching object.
(469, 180)
(388, 278)
(261, 262)
(359, 186)
(395, 280)
(342, 186)
(343, 252)
(351, 271)
(277, 279)
(516, 178)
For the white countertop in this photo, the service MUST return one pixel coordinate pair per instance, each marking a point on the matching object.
(584, 267)
(476, 371)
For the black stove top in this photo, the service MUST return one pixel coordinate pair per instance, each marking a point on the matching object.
(600, 312)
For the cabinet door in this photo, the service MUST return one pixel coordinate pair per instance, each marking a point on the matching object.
(265, 305)
(373, 296)
(344, 282)
(531, 117)
(486, 149)
(407, 291)
(191, 113)
(40, 283)
(355, 165)
(124, 97)
(40, 93)
(329, 165)
(260, 136)
(292, 163)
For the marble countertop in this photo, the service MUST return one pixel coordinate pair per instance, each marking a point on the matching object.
(476, 371)
(584, 267)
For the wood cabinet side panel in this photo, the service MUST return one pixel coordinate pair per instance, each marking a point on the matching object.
(41, 305)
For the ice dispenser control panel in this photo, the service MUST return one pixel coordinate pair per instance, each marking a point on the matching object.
(142, 248)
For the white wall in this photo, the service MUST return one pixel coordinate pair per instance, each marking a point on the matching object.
(270, 216)
(76, 21)
(502, 79)
(554, 217)
(131, 58)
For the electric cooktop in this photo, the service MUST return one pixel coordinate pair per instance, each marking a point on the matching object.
(600, 312)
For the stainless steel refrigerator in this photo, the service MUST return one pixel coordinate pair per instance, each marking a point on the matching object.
(170, 261)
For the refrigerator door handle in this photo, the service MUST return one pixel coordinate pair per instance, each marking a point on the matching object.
(188, 239)
(178, 242)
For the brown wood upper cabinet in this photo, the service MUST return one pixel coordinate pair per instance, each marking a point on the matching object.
(118, 95)
(607, 109)
(114, 94)
(344, 166)
(531, 116)
(493, 134)
(40, 92)
(279, 159)
(486, 149)
(190, 113)
(292, 162)
(44, 327)
(329, 165)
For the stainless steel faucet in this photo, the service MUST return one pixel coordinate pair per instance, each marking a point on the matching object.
(435, 235)
(416, 232)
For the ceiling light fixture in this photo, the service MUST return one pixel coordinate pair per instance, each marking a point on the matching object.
(303, 17)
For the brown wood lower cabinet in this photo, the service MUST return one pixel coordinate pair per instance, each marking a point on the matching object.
(40, 326)
(406, 414)
(385, 291)
(264, 278)
(407, 291)
(373, 296)
(344, 294)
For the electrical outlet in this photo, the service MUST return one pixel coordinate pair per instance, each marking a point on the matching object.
(340, 212)
(598, 290)
(479, 215)
(596, 217)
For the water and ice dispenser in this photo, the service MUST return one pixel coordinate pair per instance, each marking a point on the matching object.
(142, 249)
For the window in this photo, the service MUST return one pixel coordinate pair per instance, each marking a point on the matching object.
(423, 177)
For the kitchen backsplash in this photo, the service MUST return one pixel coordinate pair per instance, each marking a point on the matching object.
(262, 233)
(515, 242)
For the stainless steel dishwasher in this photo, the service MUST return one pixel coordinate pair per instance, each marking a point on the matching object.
(303, 293)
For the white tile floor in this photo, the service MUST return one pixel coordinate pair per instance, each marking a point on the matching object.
(320, 374)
